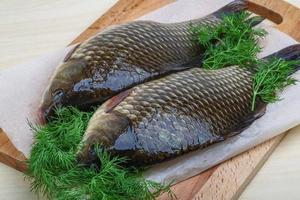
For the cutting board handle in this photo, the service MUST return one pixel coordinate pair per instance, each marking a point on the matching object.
(285, 15)
(265, 12)
(10, 155)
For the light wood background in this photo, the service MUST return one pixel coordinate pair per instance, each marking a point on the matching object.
(40, 27)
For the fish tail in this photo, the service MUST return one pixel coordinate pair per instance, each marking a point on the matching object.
(253, 21)
(236, 7)
(242, 5)
(231, 8)
(290, 53)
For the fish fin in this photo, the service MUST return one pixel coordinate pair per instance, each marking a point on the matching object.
(241, 5)
(231, 8)
(259, 111)
(69, 54)
(289, 53)
(186, 66)
(115, 100)
(235, 7)
(196, 62)
(255, 20)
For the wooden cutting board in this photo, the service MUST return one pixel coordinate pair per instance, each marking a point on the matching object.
(225, 181)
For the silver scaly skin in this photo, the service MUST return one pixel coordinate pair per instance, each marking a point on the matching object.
(124, 56)
(178, 113)
(172, 115)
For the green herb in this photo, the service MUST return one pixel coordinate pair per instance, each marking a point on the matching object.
(53, 171)
(235, 42)
(271, 77)
(52, 167)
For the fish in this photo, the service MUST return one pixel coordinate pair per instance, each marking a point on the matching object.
(176, 114)
(123, 56)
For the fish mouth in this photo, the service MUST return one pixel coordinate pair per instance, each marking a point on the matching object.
(41, 117)
(88, 161)
(44, 114)
(47, 109)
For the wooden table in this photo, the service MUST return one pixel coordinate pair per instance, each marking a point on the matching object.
(40, 27)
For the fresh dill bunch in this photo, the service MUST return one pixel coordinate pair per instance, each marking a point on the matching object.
(271, 77)
(235, 42)
(54, 172)
(232, 42)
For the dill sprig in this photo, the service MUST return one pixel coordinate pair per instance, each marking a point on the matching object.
(53, 171)
(232, 42)
(52, 167)
(235, 42)
(272, 76)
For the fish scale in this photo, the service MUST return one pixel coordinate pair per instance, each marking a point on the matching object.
(178, 113)
(160, 45)
(123, 56)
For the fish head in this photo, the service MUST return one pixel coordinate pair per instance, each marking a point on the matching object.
(103, 133)
(58, 91)
(88, 154)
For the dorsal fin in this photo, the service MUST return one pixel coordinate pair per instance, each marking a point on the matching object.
(69, 54)
(248, 120)
(115, 100)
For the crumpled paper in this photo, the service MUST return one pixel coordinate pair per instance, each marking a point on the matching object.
(21, 88)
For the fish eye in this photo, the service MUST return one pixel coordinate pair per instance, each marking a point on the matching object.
(57, 96)
(58, 92)
(92, 151)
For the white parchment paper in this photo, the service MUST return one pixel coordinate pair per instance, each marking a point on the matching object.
(21, 88)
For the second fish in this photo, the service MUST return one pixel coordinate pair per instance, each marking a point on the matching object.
(178, 113)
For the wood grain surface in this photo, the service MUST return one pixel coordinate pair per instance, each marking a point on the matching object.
(122, 11)
(9, 155)
(36, 28)
(229, 179)
(279, 177)
(225, 181)
(290, 14)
